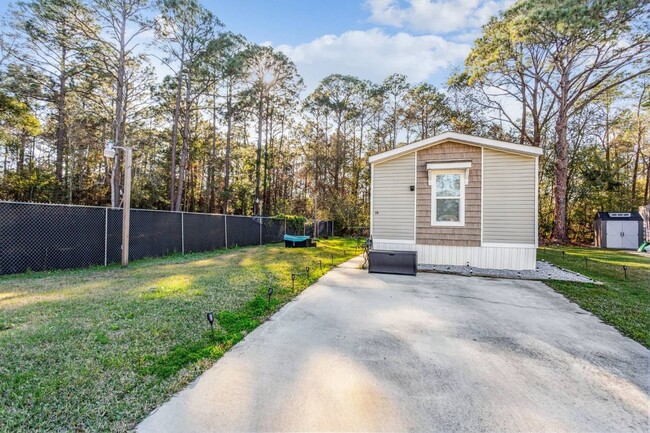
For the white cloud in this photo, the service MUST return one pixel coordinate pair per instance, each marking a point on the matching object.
(373, 55)
(435, 16)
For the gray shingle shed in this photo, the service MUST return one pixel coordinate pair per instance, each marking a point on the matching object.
(619, 230)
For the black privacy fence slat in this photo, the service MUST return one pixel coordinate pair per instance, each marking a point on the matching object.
(154, 234)
(39, 237)
(243, 231)
(203, 232)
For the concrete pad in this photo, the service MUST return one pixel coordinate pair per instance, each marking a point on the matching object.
(434, 353)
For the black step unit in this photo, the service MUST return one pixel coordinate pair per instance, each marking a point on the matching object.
(393, 262)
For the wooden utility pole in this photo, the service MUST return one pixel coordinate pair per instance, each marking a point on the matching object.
(126, 210)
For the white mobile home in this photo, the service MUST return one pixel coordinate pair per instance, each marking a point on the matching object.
(457, 200)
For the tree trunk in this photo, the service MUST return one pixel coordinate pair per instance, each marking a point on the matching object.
(212, 201)
(561, 176)
(639, 141)
(635, 170)
(185, 147)
(226, 179)
(116, 175)
(258, 158)
(177, 115)
(646, 192)
(60, 128)
(522, 137)
(265, 175)
(22, 145)
(561, 163)
(337, 152)
(357, 170)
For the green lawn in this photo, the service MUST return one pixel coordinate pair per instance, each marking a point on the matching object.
(622, 302)
(97, 349)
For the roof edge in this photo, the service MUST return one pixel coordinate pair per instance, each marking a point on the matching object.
(463, 138)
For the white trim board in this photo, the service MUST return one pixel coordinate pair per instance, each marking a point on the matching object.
(372, 198)
(448, 165)
(394, 241)
(415, 197)
(505, 245)
(461, 138)
(482, 200)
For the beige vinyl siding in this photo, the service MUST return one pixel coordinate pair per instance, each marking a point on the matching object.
(393, 204)
(508, 198)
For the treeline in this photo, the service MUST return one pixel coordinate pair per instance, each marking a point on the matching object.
(219, 124)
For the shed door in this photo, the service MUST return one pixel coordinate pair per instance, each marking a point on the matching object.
(630, 235)
(614, 231)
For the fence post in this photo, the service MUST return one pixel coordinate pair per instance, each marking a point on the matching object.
(225, 229)
(182, 232)
(106, 237)
(285, 226)
(261, 223)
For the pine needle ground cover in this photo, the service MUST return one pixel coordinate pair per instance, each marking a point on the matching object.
(97, 349)
(623, 300)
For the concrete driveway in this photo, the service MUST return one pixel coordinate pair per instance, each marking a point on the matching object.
(369, 352)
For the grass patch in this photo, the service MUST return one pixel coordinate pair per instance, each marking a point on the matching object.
(621, 302)
(97, 349)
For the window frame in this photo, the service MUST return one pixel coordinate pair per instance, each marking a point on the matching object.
(434, 198)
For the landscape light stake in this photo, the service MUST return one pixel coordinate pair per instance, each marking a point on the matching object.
(563, 255)
(307, 269)
(320, 263)
(293, 281)
(625, 271)
(332, 257)
(586, 262)
(270, 292)
(210, 316)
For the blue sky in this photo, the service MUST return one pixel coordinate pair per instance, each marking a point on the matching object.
(423, 39)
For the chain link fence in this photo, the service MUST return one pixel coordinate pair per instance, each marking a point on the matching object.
(39, 237)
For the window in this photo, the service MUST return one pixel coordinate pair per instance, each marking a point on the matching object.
(447, 197)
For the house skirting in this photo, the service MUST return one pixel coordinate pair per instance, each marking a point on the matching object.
(496, 256)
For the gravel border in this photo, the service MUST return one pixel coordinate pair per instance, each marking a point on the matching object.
(544, 271)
